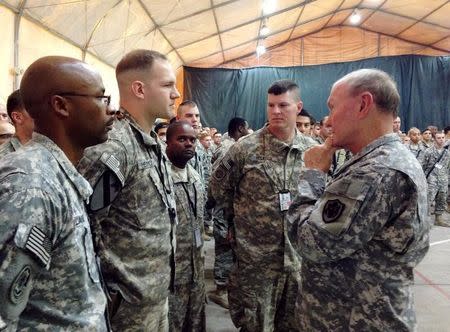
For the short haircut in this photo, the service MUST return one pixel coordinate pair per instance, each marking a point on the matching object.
(413, 129)
(14, 103)
(161, 125)
(172, 128)
(323, 120)
(305, 113)
(217, 133)
(234, 124)
(138, 60)
(379, 84)
(203, 134)
(189, 103)
(446, 130)
(283, 86)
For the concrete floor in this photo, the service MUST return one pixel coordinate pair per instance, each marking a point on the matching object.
(432, 288)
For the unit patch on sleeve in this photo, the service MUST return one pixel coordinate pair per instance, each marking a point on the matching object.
(332, 210)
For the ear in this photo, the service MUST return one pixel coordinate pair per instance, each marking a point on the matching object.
(16, 117)
(138, 89)
(60, 105)
(299, 106)
(366, 104)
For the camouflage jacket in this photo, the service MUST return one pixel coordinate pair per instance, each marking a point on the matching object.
(43, 213)
(189, 259)
(438, 171)
(10, 146)
(246, 183)
(361, 240)
(135, 235)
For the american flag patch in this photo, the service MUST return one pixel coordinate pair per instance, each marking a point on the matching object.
(39, 245)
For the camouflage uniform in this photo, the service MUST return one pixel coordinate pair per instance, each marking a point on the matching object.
(223, 253)
(10, 146)
(135, 235)
(438, 178)
(361, 241)
(43, 215)
(246, 184)
(187, 303)
(416, 149)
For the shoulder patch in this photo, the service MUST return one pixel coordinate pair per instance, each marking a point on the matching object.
(222, 169)
(39, 245)
(20, 287)
(332, 210)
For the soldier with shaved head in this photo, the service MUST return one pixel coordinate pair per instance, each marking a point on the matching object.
(49, 278)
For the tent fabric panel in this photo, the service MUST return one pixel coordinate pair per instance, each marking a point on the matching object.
(339, 17)
(443, 44)
(171, 10)
(412, 8)
(441, 16)
(423, 84)
(189, 53)
(424, 33)
(387, 23)
(310, 27)
(243, 49)
(284, 20)
(240, 35)
(43, 44)
(237, 12)
(7, 55)
(191, 29)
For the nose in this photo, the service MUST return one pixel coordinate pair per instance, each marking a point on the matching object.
(175, 94)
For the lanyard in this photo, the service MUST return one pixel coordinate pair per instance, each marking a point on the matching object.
(192, 204)
(286, 179)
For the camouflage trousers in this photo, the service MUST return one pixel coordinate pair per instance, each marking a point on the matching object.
(438, 194)
(223, 253)
(263, 301)
(139, 317)
(187, 308)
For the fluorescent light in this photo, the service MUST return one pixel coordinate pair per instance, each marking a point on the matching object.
(264, 30)
(269, 6)
(260, 50)
(355, 18)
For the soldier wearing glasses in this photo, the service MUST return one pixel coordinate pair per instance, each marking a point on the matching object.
(49, 278)
(135, 234)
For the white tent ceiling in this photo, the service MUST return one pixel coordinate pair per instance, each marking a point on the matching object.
(189, 31)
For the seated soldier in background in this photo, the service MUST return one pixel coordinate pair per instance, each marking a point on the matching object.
(49, 278)
(22, 121)
(187, 302)
(361, 235)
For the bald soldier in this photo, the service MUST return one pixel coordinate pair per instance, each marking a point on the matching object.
(135, 235)
(49, 279)
(363, 234)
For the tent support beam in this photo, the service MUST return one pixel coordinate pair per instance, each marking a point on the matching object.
(17, 19)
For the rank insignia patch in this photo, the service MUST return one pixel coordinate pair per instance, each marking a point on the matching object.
(332, 210)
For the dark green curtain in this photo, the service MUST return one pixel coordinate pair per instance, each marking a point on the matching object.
(423, 83)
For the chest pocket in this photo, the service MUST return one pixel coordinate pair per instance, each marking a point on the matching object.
(339, 206)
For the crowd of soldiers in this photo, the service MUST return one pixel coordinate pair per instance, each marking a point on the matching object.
(105, 214)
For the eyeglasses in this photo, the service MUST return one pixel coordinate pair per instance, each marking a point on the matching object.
(105, 99)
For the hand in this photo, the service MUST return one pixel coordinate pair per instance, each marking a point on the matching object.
(320, 156)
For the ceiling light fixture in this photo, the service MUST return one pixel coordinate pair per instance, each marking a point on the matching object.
(260, 49)
(355, 18)
(264, 28)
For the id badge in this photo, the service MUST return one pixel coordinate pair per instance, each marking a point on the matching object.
(285, 200)
(198, 241)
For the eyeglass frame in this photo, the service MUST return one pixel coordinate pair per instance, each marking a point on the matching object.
(70, 94)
